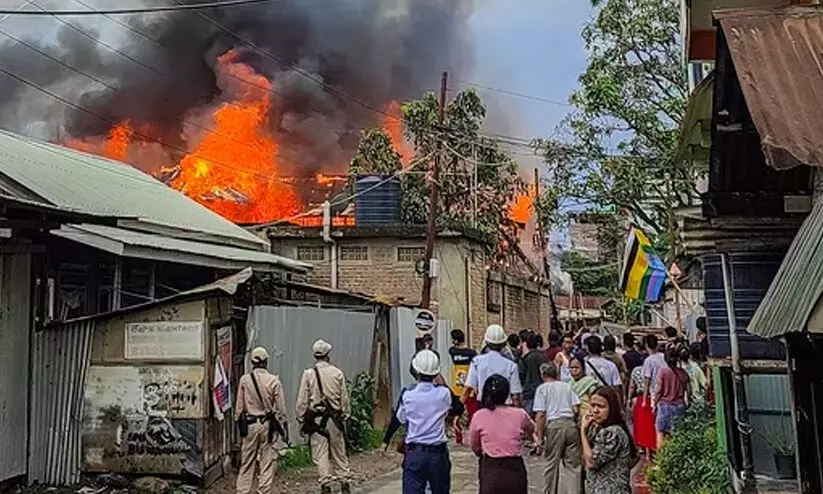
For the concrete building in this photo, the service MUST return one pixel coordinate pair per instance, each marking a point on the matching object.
(384, 261)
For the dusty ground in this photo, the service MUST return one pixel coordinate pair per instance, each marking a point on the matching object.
(365, 467)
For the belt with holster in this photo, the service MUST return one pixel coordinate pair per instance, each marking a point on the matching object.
(255, 419)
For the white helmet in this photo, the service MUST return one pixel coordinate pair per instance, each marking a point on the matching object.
(426, 363)
(495, 335)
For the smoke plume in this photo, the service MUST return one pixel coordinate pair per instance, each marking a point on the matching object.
(163, 75)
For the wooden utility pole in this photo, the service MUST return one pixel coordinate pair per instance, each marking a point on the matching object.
(431, 230)
(554, 319)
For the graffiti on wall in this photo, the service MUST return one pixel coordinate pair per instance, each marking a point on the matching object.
(143, 419)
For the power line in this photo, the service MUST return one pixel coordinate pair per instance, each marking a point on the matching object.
(501, 138)
(114, 123)
(514, 93)
(344, 200)
(135, 10)
(115, 89)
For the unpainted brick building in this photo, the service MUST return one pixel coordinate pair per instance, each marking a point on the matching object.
(382, 261)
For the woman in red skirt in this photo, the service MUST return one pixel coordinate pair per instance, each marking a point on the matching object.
(643, 430)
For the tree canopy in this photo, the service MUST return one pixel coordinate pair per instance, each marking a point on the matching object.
(615, 151)
(462, 149)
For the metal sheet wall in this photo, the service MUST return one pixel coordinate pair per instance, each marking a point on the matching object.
(60, 359)
(770, 415)
(15, 302)
(288, 333)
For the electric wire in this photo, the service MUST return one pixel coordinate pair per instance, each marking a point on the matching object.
(346, 199)
(513, 93)
(135, 10)
(111, 122)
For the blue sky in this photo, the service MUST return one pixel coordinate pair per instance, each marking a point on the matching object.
(532, 47)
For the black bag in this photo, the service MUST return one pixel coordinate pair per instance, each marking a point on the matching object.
(243, 424)
(316, 418)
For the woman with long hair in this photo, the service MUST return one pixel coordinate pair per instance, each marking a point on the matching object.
(673, 388)
(496, 436)
(608, 450)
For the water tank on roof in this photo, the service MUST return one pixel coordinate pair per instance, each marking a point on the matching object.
(377, 201)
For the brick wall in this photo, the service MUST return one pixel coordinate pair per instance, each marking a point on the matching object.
(380, 275)
(383, 275)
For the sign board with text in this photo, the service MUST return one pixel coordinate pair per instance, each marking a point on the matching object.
(164, 340)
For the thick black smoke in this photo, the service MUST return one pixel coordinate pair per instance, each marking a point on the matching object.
(372, 50)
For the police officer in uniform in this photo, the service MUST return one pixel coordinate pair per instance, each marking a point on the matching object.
(258, 450)
(328, 444)
(423, 410)
(490, 363)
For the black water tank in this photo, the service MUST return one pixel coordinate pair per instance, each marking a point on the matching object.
(378, 200)
(753, 272)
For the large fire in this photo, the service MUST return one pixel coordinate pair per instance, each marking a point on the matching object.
(230, 161)
(232, 166)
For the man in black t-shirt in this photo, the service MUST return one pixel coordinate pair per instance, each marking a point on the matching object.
(529, 368)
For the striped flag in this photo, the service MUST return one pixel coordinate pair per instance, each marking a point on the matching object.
(643, 272)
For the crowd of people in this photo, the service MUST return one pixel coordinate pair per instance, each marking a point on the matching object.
(589, 407)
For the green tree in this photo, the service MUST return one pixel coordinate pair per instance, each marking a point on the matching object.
(375, 154)
(615, 150)
(461, 145)
(589, 277)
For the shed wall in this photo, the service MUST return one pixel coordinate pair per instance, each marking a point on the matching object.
(60, 359)
(15, 309)
(288, 333)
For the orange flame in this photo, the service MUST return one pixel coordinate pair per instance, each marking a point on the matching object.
(233, 170)
(114, 146)
(521, 209)
(393, 125)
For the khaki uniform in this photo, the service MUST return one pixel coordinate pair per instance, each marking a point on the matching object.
(256, 450)
(328, 454)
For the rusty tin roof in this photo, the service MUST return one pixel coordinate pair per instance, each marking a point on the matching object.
(778, 56)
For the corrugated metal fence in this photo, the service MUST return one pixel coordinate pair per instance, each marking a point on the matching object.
(288, 333)
(14, 362)
(770, 415)
(60, 359)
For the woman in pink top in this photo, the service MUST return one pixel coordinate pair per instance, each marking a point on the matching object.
(496, 434)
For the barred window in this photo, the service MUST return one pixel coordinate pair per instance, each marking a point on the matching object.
(354, 253)
(311, 253)
(494, 295)
(410, 254)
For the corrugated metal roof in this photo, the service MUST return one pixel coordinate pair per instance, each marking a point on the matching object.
(798, 284)
(80, 181)
(227, 285)
(778, 57)
(130, 243)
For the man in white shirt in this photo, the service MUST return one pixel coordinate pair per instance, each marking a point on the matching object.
(602, 368)
(556, 406)
(490, 363)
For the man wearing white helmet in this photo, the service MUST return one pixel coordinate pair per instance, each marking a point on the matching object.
(261, 408)
(423, 409)
(490, 363)
(323, 409)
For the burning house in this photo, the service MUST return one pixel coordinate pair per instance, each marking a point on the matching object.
(248, 110)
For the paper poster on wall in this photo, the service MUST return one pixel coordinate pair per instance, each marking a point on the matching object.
(164, 340)
(222, 371)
